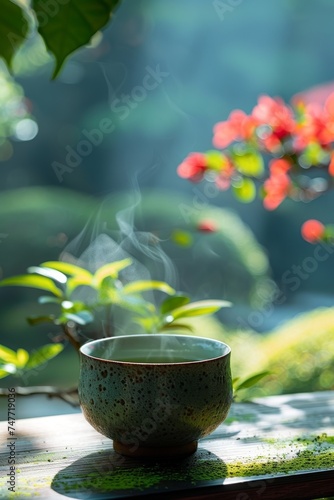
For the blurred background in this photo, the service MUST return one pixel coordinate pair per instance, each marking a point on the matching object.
(97, 150)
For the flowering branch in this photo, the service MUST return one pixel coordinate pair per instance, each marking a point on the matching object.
(294, 139)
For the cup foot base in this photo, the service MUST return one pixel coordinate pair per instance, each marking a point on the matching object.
(155, 452)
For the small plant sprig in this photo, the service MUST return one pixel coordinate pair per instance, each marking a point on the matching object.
(107, 290)
(246, 383)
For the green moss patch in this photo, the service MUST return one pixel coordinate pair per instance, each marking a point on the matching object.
(280, 457)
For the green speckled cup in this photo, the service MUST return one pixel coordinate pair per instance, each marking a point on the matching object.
(155, 395)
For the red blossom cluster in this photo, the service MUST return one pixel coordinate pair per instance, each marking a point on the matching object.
(293, 138)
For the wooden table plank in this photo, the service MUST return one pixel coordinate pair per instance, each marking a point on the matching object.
(280, 447)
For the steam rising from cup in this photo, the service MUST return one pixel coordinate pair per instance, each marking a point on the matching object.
(99, 243)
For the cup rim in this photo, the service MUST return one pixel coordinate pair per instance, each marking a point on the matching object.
(165, 363)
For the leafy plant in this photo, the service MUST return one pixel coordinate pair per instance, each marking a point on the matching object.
(65, 26)
(16, 363)
(64, 282)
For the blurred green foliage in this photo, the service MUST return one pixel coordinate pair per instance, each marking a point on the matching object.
(13, 110)
(298, 356)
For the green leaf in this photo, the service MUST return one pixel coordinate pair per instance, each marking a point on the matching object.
(75, 281)
(43, 355)
(173, 302)
(70, 25)
(6, 370)
(7, 355)
(81, 317)
(144, 285)
(22, 357)
(40, 282)
(177, 326)
(314, 155)
(215, 160)
(36, 320)
(49, 273)
(181, 238)
(245, 191)
(133, 303)
(199, 308)
(249, 382)
(14, 28)
(110, 270)
(47, 299)
(248, 162)
(67, 268)
(149, 324)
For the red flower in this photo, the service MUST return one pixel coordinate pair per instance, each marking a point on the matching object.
(279, 166)
(279, 119)
(317, 94)
(237, 127)
(316, 126)
(312, 231)
(331, 165)
(207, 226)
(278, 185)
(223, 180)
(193, 167)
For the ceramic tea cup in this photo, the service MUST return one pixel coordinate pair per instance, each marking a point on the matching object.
(155, 395)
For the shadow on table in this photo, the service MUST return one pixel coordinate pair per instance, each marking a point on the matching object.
(106, 474)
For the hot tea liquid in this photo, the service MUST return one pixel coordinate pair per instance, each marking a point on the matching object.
(175, 358)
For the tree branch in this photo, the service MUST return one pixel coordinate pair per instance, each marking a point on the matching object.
(71, 338)
(70, 396)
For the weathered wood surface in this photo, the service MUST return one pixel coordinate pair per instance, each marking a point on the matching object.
(280, 447)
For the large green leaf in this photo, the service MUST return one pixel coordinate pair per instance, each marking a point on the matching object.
(13, 29)
(67, 26)
(40, 282)
(199, 308)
